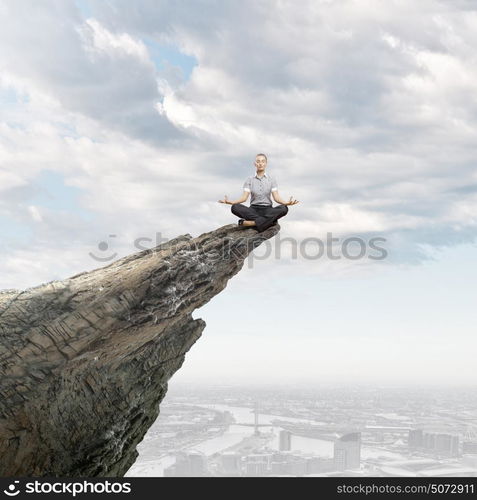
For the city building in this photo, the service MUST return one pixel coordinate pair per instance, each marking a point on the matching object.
(231, 464)
(257, 465)
(469, 447)
(318, 464)
(447, 444)
(439, 443)
(188, 464)
(289, 464)
(285, 440)
(297, 467)
(415, 439)
(279, 463)
(347, 451)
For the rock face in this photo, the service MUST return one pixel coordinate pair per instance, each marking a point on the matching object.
(84, 362)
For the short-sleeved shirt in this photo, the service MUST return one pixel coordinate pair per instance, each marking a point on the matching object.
(260, 188)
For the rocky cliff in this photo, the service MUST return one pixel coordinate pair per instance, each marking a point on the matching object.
(84, 362)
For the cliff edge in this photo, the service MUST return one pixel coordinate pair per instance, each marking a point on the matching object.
(85, 361)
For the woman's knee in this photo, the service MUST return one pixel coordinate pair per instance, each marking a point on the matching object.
(285, 209)
(234, 207)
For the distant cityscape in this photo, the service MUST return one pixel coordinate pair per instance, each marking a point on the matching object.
(240, 431)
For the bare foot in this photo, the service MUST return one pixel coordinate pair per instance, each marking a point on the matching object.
(248, 223)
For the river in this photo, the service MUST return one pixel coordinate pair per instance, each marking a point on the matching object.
(234, 435)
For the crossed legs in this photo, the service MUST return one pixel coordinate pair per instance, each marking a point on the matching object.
(264, 217)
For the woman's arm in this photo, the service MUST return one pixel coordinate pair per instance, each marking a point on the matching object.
(277, 198)
(241, 200)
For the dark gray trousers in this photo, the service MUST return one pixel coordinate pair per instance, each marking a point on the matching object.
(264, 216)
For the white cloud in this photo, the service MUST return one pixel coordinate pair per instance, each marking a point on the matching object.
(95, 36)
(366, 111)
(86, 68)
(35, 213)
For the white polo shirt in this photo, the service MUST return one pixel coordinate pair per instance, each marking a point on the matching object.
(260, 189)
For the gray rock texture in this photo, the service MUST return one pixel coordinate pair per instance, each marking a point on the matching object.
(84, 362)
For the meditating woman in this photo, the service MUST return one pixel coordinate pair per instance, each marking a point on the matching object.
(260, 215)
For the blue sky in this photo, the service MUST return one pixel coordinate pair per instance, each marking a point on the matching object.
(117, 117)
(163, 55)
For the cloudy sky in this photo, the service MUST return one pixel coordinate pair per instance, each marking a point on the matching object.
(122, 120)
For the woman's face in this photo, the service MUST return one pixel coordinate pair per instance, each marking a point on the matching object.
(260, 162)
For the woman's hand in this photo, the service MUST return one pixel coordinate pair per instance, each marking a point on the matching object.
(291, 201)
(225, 200)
